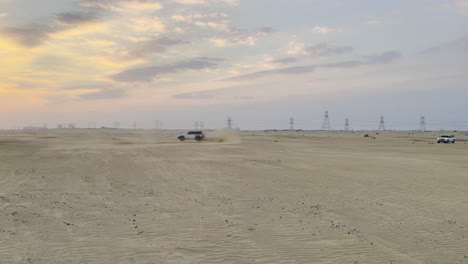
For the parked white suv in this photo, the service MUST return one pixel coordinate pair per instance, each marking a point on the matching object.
(446, 139)
(192, 135)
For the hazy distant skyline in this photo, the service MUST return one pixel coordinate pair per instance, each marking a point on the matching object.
(259, 61)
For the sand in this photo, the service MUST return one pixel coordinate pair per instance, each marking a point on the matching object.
(288, 197)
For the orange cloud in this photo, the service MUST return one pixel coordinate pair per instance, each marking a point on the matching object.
(5, 86)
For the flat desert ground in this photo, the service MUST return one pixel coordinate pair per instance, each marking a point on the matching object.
(106, 196)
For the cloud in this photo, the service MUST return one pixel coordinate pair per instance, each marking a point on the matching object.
(4, 85)
(157, 45)
(191, 2)
(462, 3)
(194, 95)
(53, 63)
(236, 36)
(190, 18)
(318, 50)
(343, 64)
(28, 36)
(224, 94)
(207, 2)
(75, 18)
(102, 4)
(383, 58)
(226, 36)
(88, 86)
(216, 21)
(263, 31)
(380, 22)
(149, 24)
(220, 42)
(284, 71)
(221, 26)
(104, 94)
(323, 29)
(147, 74)
(456, 4)
(3, 15)
(457, 44)
(283, 61)
(140, 4)
(375, 22)
(122, 5)
(35, 34)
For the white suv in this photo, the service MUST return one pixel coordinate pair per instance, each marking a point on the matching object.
(446, 139)
(193, 135)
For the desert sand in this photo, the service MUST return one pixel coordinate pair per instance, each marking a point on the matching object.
(105, 196)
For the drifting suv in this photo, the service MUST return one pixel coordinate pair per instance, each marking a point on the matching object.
(446, 139)
(192, 135)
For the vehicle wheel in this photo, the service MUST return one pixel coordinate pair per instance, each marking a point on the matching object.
(198, 138)
(438, 142)
(453, 142)
(182, 138)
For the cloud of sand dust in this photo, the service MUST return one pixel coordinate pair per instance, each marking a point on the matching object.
(225, 135)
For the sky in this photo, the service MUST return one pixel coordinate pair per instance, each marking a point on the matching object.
(261, 62)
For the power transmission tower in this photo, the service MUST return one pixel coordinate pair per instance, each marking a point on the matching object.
(422, 124)
(134, 125)
(158, 124)
(291, 124)
(326, 122)
(229, 122)
(346, 126)
(202, 125)
(382, 124)
(91, 125)
(196, 125)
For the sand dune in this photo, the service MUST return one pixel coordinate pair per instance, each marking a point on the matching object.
(284, 197)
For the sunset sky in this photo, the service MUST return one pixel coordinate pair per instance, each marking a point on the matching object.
(259, 61)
